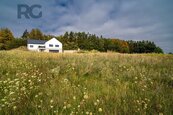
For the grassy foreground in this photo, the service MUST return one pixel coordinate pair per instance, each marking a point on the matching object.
(88, 83)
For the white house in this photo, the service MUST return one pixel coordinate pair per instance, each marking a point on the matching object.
(52, 45)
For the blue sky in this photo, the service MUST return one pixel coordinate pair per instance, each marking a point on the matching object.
(125, 19)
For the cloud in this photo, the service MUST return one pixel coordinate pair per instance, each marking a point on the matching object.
(134, 19)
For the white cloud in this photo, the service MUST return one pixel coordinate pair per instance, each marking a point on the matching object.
(137, 20)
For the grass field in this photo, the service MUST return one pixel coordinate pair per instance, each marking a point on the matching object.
(85, 83)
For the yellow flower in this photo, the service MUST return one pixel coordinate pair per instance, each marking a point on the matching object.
(86, 96)
(69, 105)
(95, 103)
(51, 106)
(98, 100)
(51, 101)
(74, 97)
(64, 107)
(100, 110)
(14, 107)
(160, 113)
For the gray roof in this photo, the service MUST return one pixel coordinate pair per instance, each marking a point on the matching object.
(31, 41)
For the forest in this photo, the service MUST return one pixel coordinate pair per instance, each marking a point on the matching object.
(79, 40)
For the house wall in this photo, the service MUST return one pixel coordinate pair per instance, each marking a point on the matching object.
(34, 48)
(53, 42)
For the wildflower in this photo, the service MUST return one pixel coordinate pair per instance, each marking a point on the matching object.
(100, 110)
(40, 93)
(78, 106)
(23, 88)
(65, 103)
(51, 101)
(39, 106)
(64, 107)
(95, 103)
(2, 105)
(51, 106)
(69, 105)
(71, 113)
(14, 107)
(98, 100)
(39, 80)
(86, 96)
(91, 113)
(87, 113)
(74, 97)
(41, 101)
(36, 96)
(11, 93)
(160, 113)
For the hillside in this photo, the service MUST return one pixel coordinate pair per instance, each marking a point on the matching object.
(85, 83)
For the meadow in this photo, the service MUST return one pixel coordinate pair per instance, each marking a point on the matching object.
(85, 83)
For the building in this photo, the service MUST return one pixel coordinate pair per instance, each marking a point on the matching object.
(52, 45)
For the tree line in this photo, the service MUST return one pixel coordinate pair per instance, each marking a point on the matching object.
(79, 40)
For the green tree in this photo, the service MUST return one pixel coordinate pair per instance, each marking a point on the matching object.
(158, 50)
(15, 43)
(25, 34)
(6, 36)
(36, 34)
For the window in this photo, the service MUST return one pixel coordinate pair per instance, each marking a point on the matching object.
(50, 45)
(56, 45)
(54, 51)
(31, 46)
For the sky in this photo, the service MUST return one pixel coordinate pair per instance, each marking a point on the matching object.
(125, 19)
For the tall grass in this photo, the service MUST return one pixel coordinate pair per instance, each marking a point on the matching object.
(87, 83)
